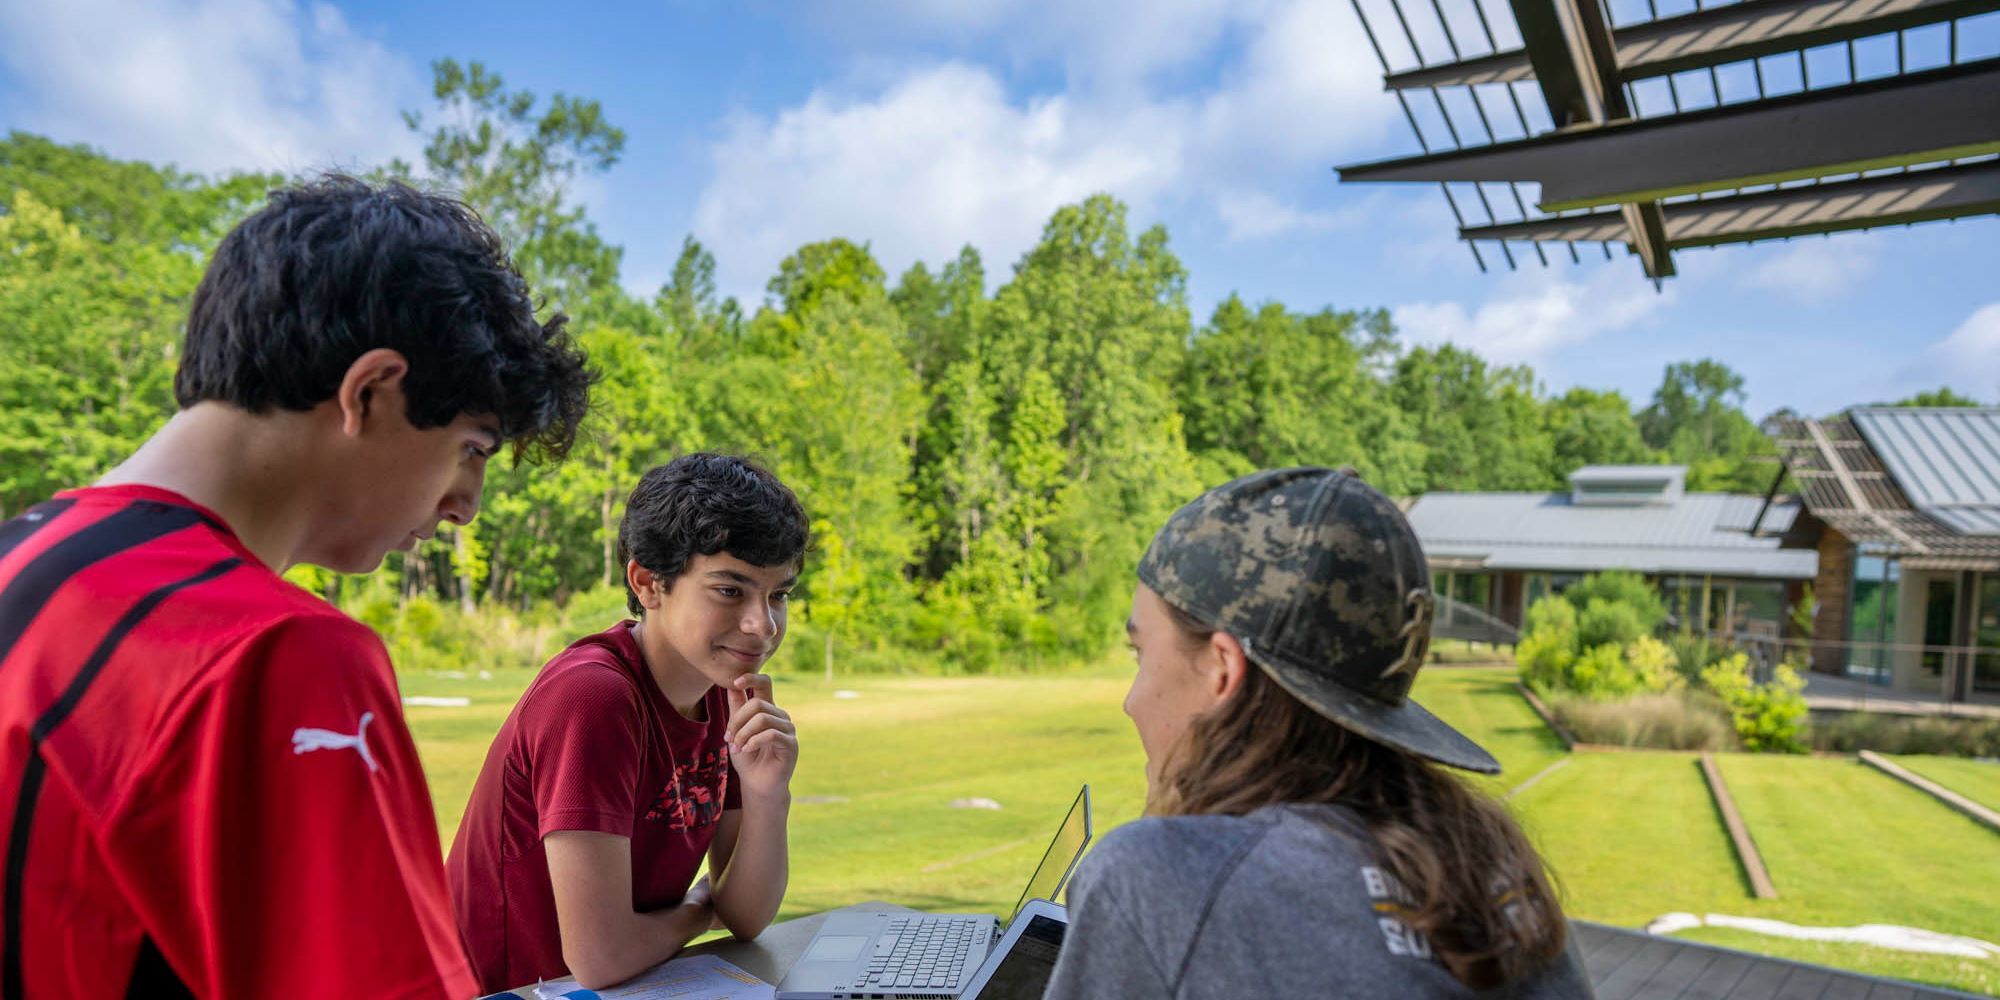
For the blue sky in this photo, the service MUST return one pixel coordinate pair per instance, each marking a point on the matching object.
(919, 126)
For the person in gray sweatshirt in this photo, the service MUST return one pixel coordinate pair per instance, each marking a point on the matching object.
(1301, 839)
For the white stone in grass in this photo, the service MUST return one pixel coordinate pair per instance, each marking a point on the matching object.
(431, 701)
(486, 675)
(975, 803)
(847, 694)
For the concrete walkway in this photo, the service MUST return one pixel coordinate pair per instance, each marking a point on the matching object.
(1826, 692)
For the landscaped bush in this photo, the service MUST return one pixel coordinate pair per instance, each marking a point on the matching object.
(1609, 622)
(1853, 732)
(1769, 717)
(1654, 663)
(1548, 648)
(1602, 653)
(1693, 651)
(1680, 720)
(1620, 587)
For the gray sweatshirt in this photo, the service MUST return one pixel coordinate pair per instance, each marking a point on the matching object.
(1279, 903)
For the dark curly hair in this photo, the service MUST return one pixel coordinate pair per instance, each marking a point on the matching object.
(704, 503)
(332, 269)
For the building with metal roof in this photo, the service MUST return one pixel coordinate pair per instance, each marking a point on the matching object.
(1498, 552)
(1902, 513)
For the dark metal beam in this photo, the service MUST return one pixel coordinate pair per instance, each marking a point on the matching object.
(1862, 203)
(1570, 46)
(1544, 36)
(1940, 114)
(1646, 222)
(1713, 37)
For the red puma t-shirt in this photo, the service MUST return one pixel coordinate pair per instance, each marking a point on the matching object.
(206, 785)
(592, 745)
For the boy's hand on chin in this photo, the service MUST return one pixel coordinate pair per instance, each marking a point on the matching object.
(763, 742)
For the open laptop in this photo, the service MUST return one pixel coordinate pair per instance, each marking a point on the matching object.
(897, 953)
(1022, 964)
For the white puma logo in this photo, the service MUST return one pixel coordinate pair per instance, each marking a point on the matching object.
(304, 740)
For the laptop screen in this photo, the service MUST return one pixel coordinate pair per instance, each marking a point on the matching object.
(1061, 857)
(1024, 973)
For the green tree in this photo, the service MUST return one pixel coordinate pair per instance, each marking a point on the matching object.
(1940, 396)
(696, 322)
(1275, 388)
(1482, 428)
(941, 313)
(518, 165)
(86, 367)
(1696, 418)
(1104, 318)
(1588, 427)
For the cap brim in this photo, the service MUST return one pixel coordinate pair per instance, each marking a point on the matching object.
(1408, 726)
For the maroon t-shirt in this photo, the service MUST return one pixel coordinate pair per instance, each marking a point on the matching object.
(592, 745)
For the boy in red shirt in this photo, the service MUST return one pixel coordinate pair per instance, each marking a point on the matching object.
(206, 785)
(642, 748)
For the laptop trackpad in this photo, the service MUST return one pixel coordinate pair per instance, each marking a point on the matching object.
(837, 948)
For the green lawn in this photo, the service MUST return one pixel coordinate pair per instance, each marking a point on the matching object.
(1630, 836)
(1978, 780)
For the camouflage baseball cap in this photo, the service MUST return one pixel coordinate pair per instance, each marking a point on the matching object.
(1323, 581)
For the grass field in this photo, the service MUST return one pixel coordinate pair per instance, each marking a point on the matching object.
(1630, 836)
(1978, 780)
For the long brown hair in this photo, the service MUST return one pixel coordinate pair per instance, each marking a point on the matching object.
(1476, 887)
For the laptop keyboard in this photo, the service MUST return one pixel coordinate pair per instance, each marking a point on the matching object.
(920, 953)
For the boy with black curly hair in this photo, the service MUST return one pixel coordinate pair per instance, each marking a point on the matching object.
(643, 749)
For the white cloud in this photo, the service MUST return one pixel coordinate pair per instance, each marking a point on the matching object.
(208, 84)
(944, 154)
(1248, 216)
(937, 160)
(1814, 270)
(1535, 311)
(1967, 360)
(1306, 89)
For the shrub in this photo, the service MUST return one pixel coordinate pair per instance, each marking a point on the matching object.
(1853, 732)
(1692, 652)
(1682, 720)
(1654, 663)
(1769, 717)
(1620, 587)
(1549, 647)
(1605, 621)
(1603, 673)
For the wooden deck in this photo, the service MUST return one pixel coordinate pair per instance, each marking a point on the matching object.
(1631, 965)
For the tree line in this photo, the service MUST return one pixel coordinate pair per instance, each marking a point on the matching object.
(984, 456)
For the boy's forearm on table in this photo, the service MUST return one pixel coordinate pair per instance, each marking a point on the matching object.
(750, 889)
(647, 940)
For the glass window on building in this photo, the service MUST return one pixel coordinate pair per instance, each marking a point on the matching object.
(1534, 587)
(1872, 624)
(1940, 609)
(1697, 603)
(1986, 635)
(1472, 589)
(1760, 608)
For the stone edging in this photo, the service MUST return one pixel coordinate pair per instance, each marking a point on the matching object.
(1548, 717)
(1739, 832)
(1978, 813)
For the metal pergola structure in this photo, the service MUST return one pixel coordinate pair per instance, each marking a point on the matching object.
(1646, 144)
